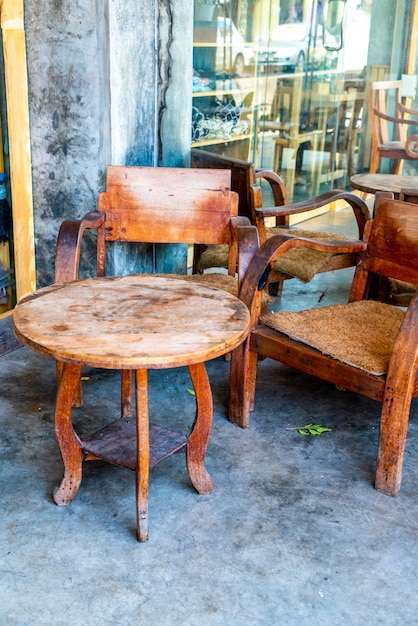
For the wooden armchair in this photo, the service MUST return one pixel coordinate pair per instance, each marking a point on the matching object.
(404, 144)
(366, 346)
(160, 205)
(302, 264)
(243, 175)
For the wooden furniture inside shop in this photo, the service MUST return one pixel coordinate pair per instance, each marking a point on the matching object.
(392, 183)
(393, 129)
(291, 133)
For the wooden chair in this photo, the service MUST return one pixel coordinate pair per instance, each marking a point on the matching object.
(156, 205)
(402, 146)
(362, 328)
(160, 205)
(243, 175)
(244, 180)
(305, 264)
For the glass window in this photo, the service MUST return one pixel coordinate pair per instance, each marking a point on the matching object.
(284, 84)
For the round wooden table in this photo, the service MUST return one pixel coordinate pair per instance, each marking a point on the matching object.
(132, 323)
(370, 183)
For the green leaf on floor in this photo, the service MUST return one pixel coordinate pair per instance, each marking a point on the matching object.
(311, 429)
(191, 392)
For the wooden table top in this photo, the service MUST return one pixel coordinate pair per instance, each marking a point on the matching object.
(131, 322)
(370, 183)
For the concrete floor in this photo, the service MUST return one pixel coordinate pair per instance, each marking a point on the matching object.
(293, 533)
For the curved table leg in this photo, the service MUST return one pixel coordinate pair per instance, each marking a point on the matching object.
(198, 439)
(142, 455)
(68, 442)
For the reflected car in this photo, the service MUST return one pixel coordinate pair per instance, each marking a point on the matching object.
(291, 47)
(226, 49)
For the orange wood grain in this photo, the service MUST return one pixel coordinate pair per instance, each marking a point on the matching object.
(131, 322)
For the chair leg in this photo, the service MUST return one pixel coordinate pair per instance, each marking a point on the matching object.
(242, 384)
(396, 166)
(392, 439)
(275, 289)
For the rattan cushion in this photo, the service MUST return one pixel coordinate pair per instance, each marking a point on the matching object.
(300, 263)
(220, 281)
(303, 263)
(362, 334)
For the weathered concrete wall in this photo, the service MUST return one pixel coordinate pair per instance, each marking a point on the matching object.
(109, 82)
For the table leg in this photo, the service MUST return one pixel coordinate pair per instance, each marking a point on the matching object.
(142, 456)
(126, 393)
(198, 439)
(68, 442)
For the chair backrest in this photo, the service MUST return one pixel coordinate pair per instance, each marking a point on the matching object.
(167, 205)
(380, 110)
(392, 249)
(242, 175)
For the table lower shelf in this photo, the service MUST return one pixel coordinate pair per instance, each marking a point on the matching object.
(116, 443)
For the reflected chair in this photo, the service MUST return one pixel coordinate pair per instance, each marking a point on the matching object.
(160, 205)
(341, 116)
(293, 133)
(365, 346)
(403, 122)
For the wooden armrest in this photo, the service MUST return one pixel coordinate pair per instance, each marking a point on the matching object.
(358, 205)
(276, 184)
(275, 247)
(403, 109)
(395, 120)
(67, 255)
(245, 240)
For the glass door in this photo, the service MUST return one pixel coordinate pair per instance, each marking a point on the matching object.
(311, 95)
(284, 83)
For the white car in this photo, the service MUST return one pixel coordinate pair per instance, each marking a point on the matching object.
(292, 47)
(225, 49)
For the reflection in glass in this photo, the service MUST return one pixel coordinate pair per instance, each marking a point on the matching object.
(284, 84)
